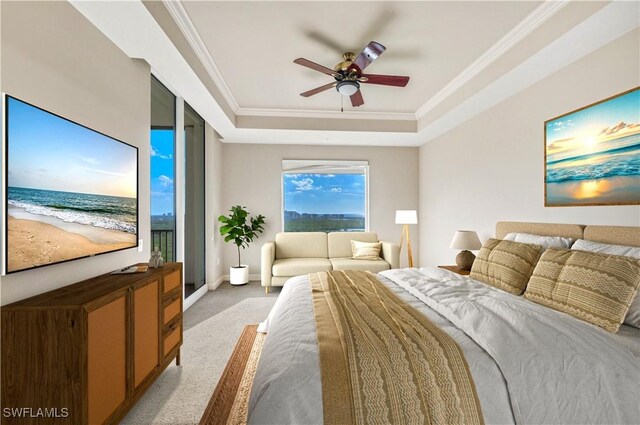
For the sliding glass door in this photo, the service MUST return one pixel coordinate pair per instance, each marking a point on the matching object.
(194, 215)
(163, 204)
(178, 188)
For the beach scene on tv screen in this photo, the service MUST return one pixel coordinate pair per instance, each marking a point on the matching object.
(72, 192)
(593, 155)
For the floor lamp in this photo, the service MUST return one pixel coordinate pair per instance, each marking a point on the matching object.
(406, 217)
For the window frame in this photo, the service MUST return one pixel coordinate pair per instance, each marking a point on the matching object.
(304, 166)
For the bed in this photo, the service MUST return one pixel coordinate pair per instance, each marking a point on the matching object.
(530, 364)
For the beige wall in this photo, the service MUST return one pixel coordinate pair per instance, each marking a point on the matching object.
(252, 177)
(80, 75)
(491, 167)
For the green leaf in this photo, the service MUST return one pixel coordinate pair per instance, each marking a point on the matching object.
(226, 229)
(239, 228)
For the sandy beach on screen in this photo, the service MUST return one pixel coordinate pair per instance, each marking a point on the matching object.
(622, 189)
(33, 243)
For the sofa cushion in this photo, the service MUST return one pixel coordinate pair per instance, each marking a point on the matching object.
(340, 242)
(301, 245)
(373, 266)
(298, 266)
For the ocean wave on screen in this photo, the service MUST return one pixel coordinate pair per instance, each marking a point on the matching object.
(73, 216)
(83, 209)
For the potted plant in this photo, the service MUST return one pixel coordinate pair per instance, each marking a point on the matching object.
(236, 229)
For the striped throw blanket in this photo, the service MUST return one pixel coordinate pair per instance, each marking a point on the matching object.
(383, 362)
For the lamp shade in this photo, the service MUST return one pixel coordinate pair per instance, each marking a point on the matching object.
(466, 240)
(406, 217)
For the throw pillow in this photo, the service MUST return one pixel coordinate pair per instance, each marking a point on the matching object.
(506, 265)
(597, 288)
(365, 250)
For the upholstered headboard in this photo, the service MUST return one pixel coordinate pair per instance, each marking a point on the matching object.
(574, 231)
(618, 235)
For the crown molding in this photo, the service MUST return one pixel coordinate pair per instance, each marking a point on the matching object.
(123, 23)
(536, 18)
(605, 26)
(320, 114)
(323, 137)
(182, 19)
(519, 32)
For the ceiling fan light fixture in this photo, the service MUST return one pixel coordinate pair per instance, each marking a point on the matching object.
(348, 74)
(347, 88)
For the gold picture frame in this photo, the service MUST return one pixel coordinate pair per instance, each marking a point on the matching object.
(592, 154)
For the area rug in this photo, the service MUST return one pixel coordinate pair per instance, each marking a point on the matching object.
(229, 402)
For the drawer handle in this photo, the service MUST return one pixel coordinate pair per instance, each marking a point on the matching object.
(175, 296)
(173, 327)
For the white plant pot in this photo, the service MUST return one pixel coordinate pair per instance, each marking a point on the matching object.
(239, 275)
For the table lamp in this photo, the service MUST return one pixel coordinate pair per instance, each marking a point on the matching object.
(406, 217)
(467, 241)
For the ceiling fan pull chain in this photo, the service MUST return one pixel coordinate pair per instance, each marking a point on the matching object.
(341, 103)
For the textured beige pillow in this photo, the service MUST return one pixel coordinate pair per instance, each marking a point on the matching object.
(365, 250)
(597, 288)
(506, 265)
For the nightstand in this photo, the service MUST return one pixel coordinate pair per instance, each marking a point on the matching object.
(456, 269)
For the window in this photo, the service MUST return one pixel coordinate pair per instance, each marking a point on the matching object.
(163, 220)
(325, 196)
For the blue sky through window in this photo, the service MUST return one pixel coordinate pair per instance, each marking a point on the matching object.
(162, 172)
(325, 193)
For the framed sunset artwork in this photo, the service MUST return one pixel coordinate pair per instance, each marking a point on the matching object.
(592, 155)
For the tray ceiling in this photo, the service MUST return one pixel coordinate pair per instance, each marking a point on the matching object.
(253, 45)
(233, 60)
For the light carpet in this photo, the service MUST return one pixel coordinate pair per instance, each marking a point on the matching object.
(180, 395)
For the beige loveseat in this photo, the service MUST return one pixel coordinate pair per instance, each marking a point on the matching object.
(298, 253)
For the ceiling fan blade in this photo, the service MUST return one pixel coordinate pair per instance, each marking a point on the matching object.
(326, 41)
(318, 90)
(356, 99)
(315, 66)
(369, 54)
(385, 80)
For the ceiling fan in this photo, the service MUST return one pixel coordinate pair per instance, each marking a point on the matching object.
(348, 74)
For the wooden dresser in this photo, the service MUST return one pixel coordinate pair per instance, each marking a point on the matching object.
(85, 353)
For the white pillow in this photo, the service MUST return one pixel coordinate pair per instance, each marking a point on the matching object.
(605, 248)
(544, 241)
(633, 315)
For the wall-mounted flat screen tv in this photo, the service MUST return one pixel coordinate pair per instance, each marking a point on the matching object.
(71, 192)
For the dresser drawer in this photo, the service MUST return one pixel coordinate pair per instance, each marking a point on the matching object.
(172, 337)
(171, 309)
(171, 281)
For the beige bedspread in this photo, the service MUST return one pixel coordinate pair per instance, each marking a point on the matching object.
(381, 361)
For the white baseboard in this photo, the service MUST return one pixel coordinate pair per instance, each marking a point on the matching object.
(212, 286)
(251, 277)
